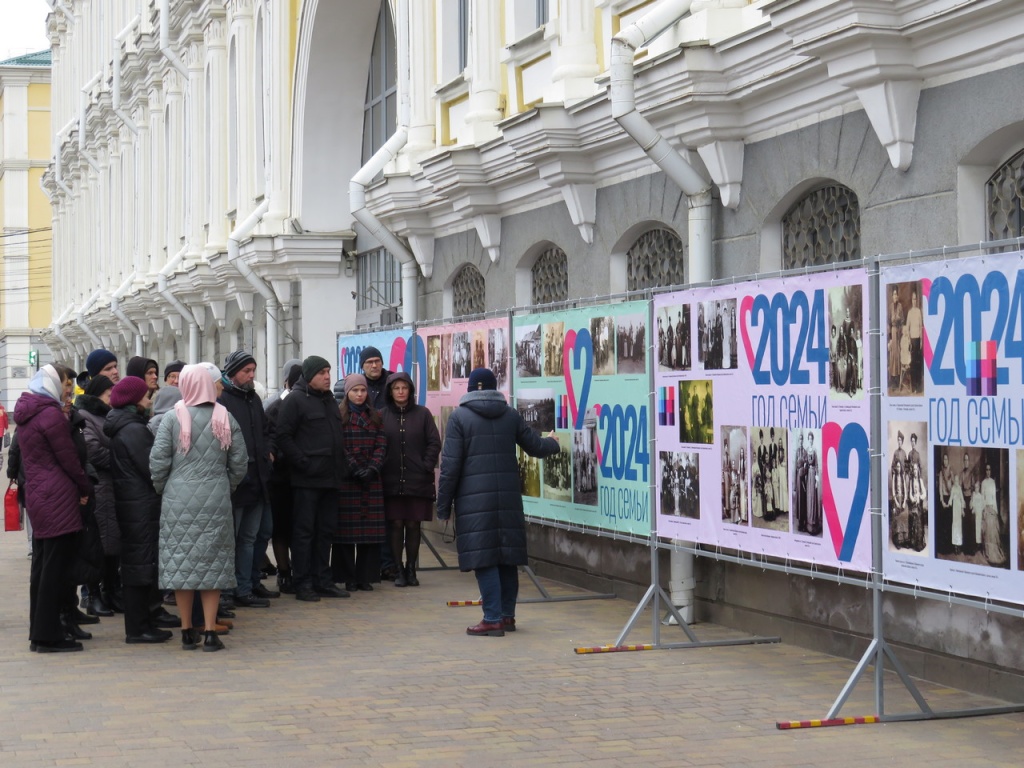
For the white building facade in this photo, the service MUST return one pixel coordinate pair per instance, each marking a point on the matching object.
(267, 173)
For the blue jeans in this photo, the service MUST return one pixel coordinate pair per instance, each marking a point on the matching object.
(499, 588)
(247, 525)
(263, 537)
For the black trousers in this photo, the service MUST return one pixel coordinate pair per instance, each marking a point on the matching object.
(138, 609)
(50, 586)
(311, 543)
(355, 563)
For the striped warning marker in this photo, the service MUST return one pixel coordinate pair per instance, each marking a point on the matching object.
(463, 603)
(787, 725)
(616, 648)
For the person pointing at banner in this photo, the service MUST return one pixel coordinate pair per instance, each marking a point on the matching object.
(480, 484)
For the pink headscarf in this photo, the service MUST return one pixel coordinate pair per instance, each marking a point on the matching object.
(197, 388)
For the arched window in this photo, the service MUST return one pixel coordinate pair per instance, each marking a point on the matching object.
(655, 260)
(1004, 200)
(822, 228)
(468, 292)
(550, 274)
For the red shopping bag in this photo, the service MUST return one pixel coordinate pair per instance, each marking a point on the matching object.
(12, 511)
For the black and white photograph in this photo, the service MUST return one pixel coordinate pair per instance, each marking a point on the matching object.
(907, 479)
(696, 412)
(734, 475)
(554, 345)
(1020, 509)
(433, 363)
(528, 351)
(904, 346)
(630, 341)
(602, 335)
(460, 355)
(769, 476)
(443, 414)
(497, 355)
(972, 527)
(584, 462)
(446, 362)
(557, 474)
(846, 342)
(529, 474)
(679, 483)
(674, 338)
(479, 349)
(805, 486)
(716, 334)
(537, 407)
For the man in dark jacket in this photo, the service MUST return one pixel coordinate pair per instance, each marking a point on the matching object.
(310, 434)
(251, 500)
(376, 374)
(480, 478)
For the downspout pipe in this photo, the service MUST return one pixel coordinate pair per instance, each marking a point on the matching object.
(165, 39)
(83, 105)
(694, 185)
(115, 309)
(273, 306)
(164, 290)
(81, 323)
(387, 238)
(115, 87)
(692, 182)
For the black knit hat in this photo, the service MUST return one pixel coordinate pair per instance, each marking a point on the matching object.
(482, 378)
(236, 361)
(174, 366)
(312, 365)
(98, 386)
(369, 353)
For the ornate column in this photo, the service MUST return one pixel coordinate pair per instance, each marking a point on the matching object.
(483, 71)
(157, 199)
(241, 25)
(194, 150)
(215, 135)
(575, 56)
(421, 57)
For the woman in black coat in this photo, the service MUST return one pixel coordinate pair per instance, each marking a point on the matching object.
(137, 505)
(480, 478)
(408, 473)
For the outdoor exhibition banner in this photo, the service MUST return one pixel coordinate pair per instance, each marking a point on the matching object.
(953, 408)
(583, 373)
(452, 352)
(401, 350)
(763, 420)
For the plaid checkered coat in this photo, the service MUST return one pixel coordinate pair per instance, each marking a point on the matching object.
(361, 505)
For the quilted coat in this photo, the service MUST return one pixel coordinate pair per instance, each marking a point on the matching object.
(54, 478)
(361, 504)
(136, 502)
(480, 479)
(197, 530)
(94, 411)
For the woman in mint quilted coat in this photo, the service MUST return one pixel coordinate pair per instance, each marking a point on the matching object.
(198, 459)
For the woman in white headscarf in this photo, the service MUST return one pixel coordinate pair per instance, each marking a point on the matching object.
(198, 459)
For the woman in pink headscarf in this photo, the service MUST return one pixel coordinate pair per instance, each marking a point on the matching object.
(198, 459)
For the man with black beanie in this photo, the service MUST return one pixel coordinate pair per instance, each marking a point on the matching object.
(309, 431)
(250, 502)
(172, 372)
(372, 363)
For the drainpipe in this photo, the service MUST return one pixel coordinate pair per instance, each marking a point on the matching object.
(83, 105)
(164, 290)
(115, 96)
(273, 307)
(115, 309)
(165, 42)
(80, 320)
(693, 183)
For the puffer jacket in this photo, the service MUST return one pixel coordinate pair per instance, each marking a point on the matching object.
(136, 501)
(310, 434)
(54, 478)
(197, 534)
(414, 445)
(480, 479)
(94, 412)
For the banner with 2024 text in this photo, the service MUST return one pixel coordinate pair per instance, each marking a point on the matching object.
(584, 374)
(953, 410)
(763, 421)
(401, 350)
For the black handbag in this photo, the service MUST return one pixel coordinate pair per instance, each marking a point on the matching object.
(87, 566)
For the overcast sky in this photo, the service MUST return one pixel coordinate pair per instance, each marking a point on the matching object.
(22, 27)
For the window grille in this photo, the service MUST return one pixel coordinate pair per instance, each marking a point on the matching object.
(655, 260)
(1004, 200)
(468, 292)
(822, 228)
(550, 277)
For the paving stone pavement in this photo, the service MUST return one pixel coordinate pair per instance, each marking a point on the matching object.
(390, 678)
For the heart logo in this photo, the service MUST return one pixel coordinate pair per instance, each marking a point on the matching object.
(576, 343)
(926, 289)
(841, 443)
(746, 305)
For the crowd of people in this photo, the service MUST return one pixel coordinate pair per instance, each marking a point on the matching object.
(146, 496)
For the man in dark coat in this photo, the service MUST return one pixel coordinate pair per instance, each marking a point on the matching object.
(372, 363)
(309, 432)
(250, 503)
(480, 478)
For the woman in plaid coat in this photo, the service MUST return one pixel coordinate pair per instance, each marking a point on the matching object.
(355, 557)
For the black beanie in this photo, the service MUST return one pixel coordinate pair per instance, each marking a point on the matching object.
(369, 353)
(312, 365)
(236, 361)
(98, 386)
(482, 378)
(174, 366)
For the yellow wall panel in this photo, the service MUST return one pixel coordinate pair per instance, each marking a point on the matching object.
(40, 250)
(39, 95)
(38, 135)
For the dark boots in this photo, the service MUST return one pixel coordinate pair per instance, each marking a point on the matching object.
(407, 577)
(401, 580)
(212, 643)
(189, 639)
